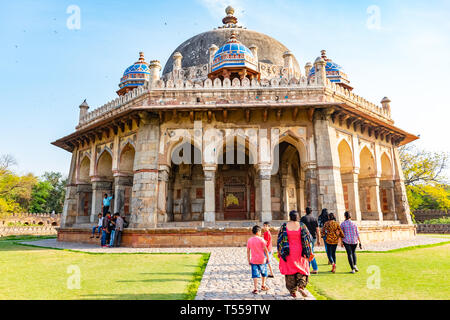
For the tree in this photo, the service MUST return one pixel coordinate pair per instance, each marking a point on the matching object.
(40, 197)
(423, 167)
(55, 201)
(425, 180)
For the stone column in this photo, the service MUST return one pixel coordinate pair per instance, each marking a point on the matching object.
(163, 187)
(312, 195)
(210, 194)
(145, 180)
(265, 193)
(285, 196)
(70, 202)
(401, 200)
(351, 181)
(328, 166)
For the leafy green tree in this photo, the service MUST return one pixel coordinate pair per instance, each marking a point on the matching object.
(55, 201)
(40, 197)
(426, 183)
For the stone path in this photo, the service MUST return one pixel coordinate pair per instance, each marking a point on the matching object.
(227, 275)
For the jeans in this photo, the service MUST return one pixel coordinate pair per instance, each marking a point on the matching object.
(351, 254)
(99, 230)
(313, 262)
(105, 210)
(111, 242)
(118, 238)
(331, 252)
(326, 250)
(104, 234)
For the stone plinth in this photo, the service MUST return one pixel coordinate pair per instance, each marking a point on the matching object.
(199, 237)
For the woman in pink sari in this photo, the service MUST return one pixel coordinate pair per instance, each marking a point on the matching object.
(293, 265)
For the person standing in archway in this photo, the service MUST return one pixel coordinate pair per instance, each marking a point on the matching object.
(294, 251)
(106, 204)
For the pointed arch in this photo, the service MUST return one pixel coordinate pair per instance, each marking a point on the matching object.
(367, 163)
(104, 164)
(126, 159)
(386, 167)
(84, 170)
(345, 156)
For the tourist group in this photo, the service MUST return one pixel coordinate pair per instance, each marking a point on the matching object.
(109, 227)
(295, 246)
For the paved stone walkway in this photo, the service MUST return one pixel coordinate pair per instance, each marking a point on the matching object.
(227, 275)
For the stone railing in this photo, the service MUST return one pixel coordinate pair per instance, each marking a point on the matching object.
(113, 105)
(235, 84)
(46, 219)
(36, 231)
(423, 215)
(360, 101)
(433, 228)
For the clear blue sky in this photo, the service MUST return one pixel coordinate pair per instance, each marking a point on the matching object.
(47, 70)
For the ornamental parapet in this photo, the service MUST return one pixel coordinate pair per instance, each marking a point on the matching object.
(338, 94)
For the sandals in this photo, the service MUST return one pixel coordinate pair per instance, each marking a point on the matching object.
(294, 295)
(303, 293)
(255, 291)
(265, 288)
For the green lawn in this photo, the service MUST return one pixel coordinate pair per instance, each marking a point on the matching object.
(38, 273)
(416, 274)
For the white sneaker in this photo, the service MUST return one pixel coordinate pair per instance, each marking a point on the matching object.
(356, 269)
(353, 271)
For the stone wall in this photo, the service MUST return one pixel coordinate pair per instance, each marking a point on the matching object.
(423, 215)
(35, 231)
(47, 219)
(433, 228)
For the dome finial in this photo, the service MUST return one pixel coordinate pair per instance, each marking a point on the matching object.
(141, 57)
(229, 10)
(324, 54)
(230, 19)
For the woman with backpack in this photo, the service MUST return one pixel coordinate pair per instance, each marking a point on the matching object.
(334, 234)
(295, 252)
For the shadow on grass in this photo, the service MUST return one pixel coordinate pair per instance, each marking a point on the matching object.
(156, 280)
(131, 296)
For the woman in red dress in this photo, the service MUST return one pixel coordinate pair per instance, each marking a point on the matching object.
(296, 267)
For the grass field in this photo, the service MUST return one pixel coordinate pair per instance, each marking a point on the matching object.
(405, 274)
(37, 273)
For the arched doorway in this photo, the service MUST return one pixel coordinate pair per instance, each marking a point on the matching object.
(349, 179)
(186, 196)
(368, 186)
(235, 181)
(288, 183)
(84, 191)
(387, 197)
(102, 183)
(123, 180)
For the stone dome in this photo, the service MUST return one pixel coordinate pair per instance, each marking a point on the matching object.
(195, 51)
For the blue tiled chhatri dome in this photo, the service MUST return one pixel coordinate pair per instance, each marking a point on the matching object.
(335, 73)
(135, 75)
(234, 54)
